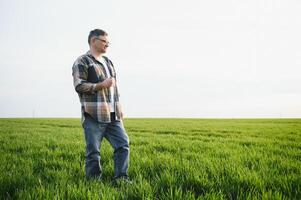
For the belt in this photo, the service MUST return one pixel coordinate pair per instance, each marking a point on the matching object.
(113, 116)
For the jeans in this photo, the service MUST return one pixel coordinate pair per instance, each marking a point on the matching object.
(115, 133)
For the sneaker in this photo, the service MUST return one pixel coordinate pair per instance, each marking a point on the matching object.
(122, 180)
(94, 178)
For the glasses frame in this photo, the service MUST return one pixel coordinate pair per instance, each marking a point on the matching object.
(107, 43)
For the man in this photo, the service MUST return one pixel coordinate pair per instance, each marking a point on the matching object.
(94, 80)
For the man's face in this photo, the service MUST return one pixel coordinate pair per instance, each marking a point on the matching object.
(101, 43)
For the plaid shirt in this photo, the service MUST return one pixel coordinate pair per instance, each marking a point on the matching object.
(86, 72)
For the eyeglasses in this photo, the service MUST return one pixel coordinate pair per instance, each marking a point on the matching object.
(108, 43)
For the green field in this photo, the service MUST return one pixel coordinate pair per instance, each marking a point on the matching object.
(170, 159)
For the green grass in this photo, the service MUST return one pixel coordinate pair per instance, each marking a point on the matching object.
(170, 159)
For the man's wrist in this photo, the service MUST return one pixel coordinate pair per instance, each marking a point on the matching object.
(98, 86)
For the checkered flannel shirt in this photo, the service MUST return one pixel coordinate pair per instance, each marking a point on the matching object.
(86, 72)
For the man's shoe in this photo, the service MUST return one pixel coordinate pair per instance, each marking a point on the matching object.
(94, 178)
(122, 180)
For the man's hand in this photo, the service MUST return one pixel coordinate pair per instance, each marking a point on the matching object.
(121, 115)
(109, 82)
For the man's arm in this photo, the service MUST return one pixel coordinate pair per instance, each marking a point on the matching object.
(80, 76)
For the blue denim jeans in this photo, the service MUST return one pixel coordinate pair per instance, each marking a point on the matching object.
(115, 133)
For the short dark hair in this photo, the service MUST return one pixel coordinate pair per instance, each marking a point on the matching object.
(96, 33)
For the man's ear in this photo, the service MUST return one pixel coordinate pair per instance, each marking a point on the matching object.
(92, 41)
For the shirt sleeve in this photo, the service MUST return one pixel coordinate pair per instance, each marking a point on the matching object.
(80, 76)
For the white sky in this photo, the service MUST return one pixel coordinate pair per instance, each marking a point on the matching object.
(174, 58)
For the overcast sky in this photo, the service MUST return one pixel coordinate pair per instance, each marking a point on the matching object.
(174, 58)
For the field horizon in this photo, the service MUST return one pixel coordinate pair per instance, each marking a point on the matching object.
(171, 158)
